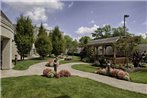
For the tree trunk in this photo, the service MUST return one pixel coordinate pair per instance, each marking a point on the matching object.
(21, 57)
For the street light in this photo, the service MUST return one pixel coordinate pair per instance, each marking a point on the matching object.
(125, 16)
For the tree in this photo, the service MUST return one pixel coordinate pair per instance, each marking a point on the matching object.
(103, 32)
(119, 32)
(57, 41)
(74, 47)
(84, 40)
(127, 45)
(98, 33)
(107, 31)
(68, 41)
(43, 43)
(24, 36)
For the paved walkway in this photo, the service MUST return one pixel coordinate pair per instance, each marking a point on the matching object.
(38, 68)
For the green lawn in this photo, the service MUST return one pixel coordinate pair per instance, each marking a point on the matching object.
(71, 87)
(74, 59)
(85, 67)
(25, 64)
(139, 76)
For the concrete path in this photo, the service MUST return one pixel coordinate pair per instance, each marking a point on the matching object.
(38, 68)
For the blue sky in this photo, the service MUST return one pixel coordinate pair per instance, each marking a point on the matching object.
(79, 18)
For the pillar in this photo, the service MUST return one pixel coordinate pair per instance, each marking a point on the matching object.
(6, 53)
(103, 51)
(114, 54)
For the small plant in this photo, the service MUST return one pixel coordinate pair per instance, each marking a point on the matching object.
(50, 63)
(96, 63)
(61, 57)
(64, 73)
(118, 73)
(68, 58)
(48, 73)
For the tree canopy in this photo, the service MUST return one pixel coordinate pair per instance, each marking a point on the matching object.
(84, 40)
(57, 41)
(43, 43)
(24, 35)
(107, 31)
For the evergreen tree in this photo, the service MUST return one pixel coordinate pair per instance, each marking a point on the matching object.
(57, 41)
(24, 35)
(43, 43)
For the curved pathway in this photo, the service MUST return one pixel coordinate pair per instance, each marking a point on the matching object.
(37, 69)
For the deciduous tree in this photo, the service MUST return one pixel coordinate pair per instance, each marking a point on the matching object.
(24, 35)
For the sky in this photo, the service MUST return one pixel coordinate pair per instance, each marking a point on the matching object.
(79, 18)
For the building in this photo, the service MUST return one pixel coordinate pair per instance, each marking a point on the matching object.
(6, 38)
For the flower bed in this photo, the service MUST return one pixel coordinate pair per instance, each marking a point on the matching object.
(118, 73)
(50, 73)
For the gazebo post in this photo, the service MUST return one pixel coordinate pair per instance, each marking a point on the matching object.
(103, 50)
(114, 54)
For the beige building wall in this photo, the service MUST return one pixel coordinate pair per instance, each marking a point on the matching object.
(6, 37)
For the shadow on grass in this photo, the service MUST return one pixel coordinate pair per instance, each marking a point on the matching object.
(64, 96)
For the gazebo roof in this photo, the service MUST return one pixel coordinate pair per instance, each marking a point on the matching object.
(104, 41)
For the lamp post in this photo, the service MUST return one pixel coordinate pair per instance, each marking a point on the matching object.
(125, 16)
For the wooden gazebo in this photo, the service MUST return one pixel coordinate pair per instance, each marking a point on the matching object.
(104, 43)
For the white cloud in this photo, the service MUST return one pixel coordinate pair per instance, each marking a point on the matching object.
(25, 5)
(35, 9)
(47, 26)
(37, 14)
(87, 30)
(70, 5)
(144, 35)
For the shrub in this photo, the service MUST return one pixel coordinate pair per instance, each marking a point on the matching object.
(118, 73)
(48, 72)
(101, 71)
(114, 72)
(126, 77)
(86, 59)
(64, 73)
(68, 58)
(96, 63)
(61, 57)
(121, 74)
(50, 63)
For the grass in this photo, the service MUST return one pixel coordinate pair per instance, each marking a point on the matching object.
(138, 77)
(85, 67)
(74, 59)
(25, 64)
(72, 87)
